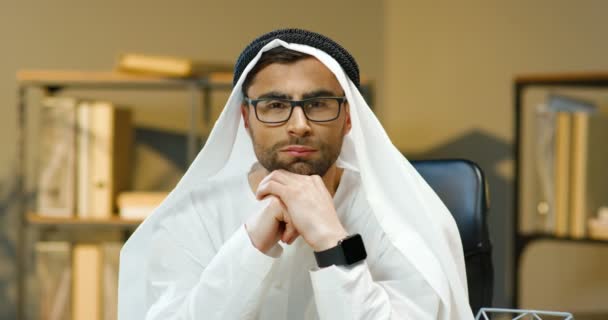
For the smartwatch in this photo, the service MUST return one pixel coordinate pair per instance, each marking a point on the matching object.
(348, 251)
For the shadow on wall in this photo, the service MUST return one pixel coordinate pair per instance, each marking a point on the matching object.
(172, 146)
(489, 152)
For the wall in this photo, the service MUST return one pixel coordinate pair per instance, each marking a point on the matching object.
(449, 68)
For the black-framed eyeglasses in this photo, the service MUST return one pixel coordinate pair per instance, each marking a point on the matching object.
(319, 109)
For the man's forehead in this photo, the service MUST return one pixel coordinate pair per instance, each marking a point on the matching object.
(308, 67)
(305, 77)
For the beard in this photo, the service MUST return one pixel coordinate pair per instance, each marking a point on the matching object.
(269, 157)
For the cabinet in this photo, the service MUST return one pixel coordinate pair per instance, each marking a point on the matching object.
(522, 85)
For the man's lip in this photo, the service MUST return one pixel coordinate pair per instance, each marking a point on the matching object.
(298, 149)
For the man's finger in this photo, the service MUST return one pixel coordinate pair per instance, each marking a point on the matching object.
(290, 241)
(289, 234)
(294, 179)
(318, 182)
(270, 187)
(279, 176)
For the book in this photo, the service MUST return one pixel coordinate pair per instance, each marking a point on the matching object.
(544, 168)
(86, 284)
(139, 204)
(562, 172)
(54, 278)
(111, 257)
(57, 157)
(598, 228)
(95, 286)
(578, 174)
(104, 153)
(83, 142)
(168, 66)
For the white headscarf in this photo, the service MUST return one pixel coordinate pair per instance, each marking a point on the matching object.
(413, 217)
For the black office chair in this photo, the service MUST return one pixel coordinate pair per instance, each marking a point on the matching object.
(462, 187)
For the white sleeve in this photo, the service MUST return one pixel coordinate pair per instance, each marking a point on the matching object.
(227, 286)
(351, 293)
(384, 286)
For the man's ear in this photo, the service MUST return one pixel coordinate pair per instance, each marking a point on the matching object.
(245, 114)
(348, 124)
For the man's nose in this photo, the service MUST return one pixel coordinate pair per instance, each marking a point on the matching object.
(298, 124)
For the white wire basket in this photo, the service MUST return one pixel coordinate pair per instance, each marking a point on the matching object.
(521, 314)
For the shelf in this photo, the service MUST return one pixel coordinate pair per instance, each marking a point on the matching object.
(96, 79)
(35, 219)
(545, 236)
(115, 79)
(563, 78)
(521, 83)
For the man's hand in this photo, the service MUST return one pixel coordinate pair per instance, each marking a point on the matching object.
(309, 207)
(271, 224)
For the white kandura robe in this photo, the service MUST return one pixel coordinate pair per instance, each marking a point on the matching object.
(205, 266)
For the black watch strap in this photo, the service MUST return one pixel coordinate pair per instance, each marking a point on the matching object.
(348, 251)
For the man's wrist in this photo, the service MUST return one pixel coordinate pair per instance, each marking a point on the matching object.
(348, 251)
(256, 240)
(329, 240)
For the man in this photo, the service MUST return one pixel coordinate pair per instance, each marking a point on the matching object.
(298, 207)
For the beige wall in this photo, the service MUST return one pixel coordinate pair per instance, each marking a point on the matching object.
(449, 67)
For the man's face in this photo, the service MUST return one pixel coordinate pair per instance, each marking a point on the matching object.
(298, 145)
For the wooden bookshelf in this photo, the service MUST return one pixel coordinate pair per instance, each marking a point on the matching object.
(116, 79)
(114, 221)
(52, 82)
(60, 78)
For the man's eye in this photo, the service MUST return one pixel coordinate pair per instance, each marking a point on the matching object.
(317, 104)
(277, 105)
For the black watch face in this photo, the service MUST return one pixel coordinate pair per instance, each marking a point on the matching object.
(353, 249)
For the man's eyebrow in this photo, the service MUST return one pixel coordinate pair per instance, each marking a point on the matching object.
(319, 93)
(274, 95)
(308, 95)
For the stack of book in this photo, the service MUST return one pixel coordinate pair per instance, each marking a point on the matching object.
(139, 204)
(85, 152)
(598, 227)
(571, 165)
(54, 280)
(166, 66)
(77, 281)
(84, 159)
